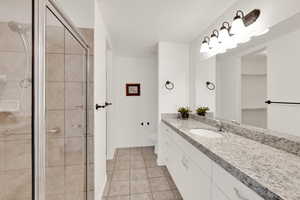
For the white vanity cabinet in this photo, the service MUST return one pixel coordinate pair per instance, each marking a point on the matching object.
(230, 186)
(190, 179)
(196, 176)
(217, 194)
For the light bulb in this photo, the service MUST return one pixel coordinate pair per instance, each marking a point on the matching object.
(214, 42)
(238, 25)
(205, 45)
(230, 44)
(224, 37)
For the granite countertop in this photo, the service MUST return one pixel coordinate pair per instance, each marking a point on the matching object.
(272, 173)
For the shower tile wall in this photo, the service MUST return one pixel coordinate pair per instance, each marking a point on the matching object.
(66, 90)
(15, 124)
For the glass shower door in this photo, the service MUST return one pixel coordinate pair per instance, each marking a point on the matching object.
(15, 100)
(66, 114)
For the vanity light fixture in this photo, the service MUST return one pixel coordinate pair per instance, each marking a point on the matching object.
(238, 25)
(214, 42)
(238, 29)
(205, 45)
(225, 38)
(242, 29)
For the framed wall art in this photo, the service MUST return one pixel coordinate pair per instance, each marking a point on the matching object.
(133, 89)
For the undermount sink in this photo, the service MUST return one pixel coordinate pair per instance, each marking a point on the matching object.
(205, 133)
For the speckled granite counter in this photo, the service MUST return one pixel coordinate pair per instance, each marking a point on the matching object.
(272, 173)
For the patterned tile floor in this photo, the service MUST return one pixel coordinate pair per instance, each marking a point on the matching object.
(134, 175)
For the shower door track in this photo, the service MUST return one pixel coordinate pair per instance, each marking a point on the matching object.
(39, 127)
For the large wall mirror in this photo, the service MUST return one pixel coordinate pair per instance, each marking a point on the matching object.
(266, 68)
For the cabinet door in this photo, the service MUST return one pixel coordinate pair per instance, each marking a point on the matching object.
(203, 162)
(232, 187)
(192, 183)
(163, 147)
(173, 162)
(217, 194)
(197, 184)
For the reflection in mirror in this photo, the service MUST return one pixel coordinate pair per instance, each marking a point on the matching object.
(254, 89)
(264, 69)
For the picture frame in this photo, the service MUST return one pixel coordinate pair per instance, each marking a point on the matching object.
(133, 89)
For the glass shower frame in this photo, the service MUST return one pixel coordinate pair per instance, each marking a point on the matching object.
(39, 127)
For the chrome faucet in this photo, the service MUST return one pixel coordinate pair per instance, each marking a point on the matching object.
(220, 126)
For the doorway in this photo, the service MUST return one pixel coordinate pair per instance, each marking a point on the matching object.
(254, 89)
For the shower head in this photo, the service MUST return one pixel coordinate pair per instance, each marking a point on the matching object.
(18, 27)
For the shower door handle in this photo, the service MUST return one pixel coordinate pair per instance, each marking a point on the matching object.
(103, 106)
(54, 130)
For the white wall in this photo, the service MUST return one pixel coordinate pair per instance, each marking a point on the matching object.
(254, 82)
(228, 88)
(173, 65)
(254, 64)
(16, 10)
(272, 13)
(128, 112)
(81, 12)
(254, 90)
(283, 83)
(206, 71)
(100, 97)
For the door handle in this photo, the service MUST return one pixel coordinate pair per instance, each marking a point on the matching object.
(100, 106)
(54, 130)
(103, 106)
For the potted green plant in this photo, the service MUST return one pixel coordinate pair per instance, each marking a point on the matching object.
(184, 112)
(202, 111)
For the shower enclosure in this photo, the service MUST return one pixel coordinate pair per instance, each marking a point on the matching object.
(46, 103)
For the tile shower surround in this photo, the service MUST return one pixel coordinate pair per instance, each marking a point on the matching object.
(15, 128)
(134, 175)
(65, 149)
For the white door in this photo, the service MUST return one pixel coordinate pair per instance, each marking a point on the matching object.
(110, 106)
(99, 98)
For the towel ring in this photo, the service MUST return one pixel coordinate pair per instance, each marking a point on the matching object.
(210, 85)
(169, 85)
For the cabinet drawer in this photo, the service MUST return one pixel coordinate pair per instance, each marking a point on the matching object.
(232, 187)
